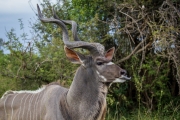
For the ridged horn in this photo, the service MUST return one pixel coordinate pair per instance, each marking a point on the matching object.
(94, 48)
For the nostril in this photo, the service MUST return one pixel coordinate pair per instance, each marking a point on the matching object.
(123, 72)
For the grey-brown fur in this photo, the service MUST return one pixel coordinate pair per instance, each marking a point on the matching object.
(32, 106)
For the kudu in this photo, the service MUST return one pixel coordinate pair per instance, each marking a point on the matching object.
(86, 97)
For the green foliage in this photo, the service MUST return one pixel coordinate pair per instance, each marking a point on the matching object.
(39, 58)
(7, 84)
(33, 62)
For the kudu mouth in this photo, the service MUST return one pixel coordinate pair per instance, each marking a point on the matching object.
(121, 79)
(125, 77)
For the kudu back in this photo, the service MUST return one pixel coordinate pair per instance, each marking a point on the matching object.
(86, 97)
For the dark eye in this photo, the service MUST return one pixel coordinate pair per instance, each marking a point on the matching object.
(99, 63)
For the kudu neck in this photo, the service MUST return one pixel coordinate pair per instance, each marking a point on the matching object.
(85, 89)
(84, 83)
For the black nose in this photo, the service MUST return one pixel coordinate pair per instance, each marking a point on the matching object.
(123, 72)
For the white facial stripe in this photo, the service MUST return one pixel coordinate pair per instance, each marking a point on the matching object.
(82, 62)
(110, 63)
(101, 76)
(97, 72)
(119, 80)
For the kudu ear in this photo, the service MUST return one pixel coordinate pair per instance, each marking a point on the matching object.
(109, 54)
(73, 56)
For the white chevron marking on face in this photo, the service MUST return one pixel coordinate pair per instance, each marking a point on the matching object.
(101, 76)
(110, 63)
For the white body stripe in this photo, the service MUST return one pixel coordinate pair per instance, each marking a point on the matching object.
(41, 105)
(35, 106)
(29, 109)
(12, 105)
(5, 107)
(25, 105)
(21, 105)
(31, 96)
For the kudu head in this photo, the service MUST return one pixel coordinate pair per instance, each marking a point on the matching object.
(98, 60)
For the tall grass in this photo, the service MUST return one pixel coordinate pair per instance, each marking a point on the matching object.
(171, 111)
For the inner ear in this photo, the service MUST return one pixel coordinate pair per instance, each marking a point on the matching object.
(109, 54)
(72, 55)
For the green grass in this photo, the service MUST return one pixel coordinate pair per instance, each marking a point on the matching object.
(144, 116)
(168, 112)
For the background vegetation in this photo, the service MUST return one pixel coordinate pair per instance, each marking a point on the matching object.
(146, 34)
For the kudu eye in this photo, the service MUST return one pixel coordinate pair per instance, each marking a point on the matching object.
(99, 63)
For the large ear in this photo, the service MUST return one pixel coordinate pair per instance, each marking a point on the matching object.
(109, 54)
(73, 56)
